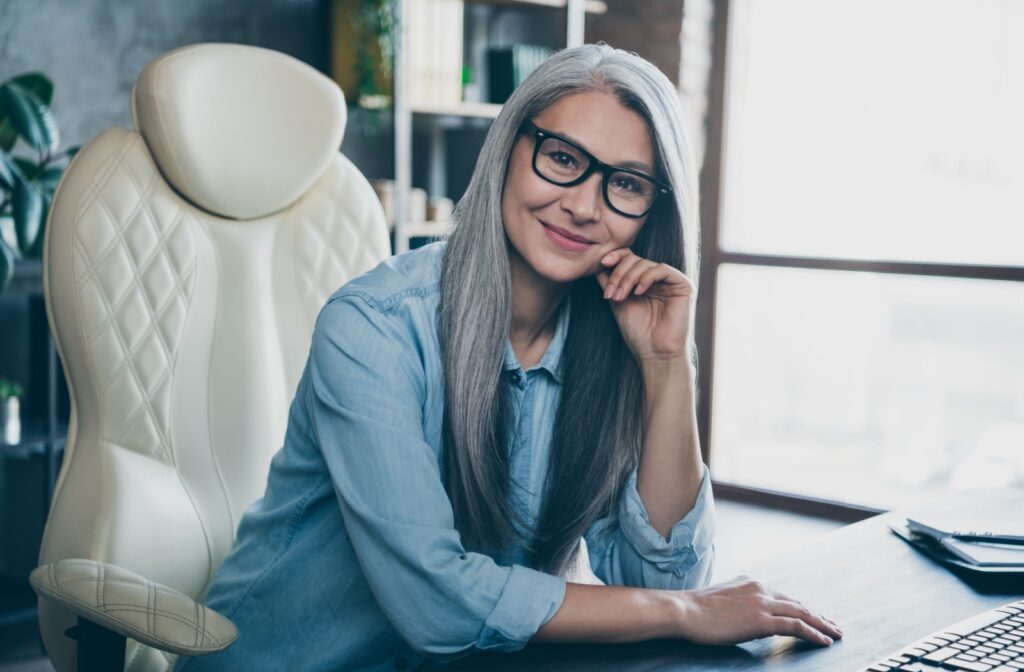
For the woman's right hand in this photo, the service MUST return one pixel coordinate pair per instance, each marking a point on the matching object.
(745, 609)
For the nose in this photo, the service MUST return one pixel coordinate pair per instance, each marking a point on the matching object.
(583, 201)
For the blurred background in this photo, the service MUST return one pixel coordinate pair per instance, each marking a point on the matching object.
(861, 307)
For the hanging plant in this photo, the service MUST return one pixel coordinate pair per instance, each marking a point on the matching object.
(27, 184)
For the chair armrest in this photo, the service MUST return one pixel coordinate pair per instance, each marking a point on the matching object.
(130, 605)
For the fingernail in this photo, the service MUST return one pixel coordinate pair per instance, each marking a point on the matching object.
(828, 640)
(608, 258)
(609, 291)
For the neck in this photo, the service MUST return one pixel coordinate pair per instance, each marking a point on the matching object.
(535, 302)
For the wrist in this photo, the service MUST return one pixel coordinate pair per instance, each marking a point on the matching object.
(671, 367)
(681, 606)
(668, 376)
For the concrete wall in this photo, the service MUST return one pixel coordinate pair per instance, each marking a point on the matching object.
(93, 50)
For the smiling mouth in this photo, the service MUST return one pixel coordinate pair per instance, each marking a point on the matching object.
(566, 234)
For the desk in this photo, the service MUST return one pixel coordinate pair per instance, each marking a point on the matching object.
(881, 592)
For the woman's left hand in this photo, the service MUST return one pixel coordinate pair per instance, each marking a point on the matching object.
(652, 304)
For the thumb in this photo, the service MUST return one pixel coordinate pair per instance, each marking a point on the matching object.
(602, 278)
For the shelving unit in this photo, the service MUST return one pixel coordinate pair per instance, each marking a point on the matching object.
(405, 229)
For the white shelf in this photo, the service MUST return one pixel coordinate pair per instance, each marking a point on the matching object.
(482, 110)
(426, 229)
(592, 6)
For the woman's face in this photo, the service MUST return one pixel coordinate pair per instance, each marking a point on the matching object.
(530, 205)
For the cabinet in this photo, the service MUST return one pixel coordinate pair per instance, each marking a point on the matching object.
(28, 468)
(439, 117)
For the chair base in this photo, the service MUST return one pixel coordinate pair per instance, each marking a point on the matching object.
(98, 648)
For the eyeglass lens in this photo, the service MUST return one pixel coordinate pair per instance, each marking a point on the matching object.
(562, 163)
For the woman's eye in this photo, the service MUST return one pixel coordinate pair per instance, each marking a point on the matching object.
(629, 184)
(563, 158)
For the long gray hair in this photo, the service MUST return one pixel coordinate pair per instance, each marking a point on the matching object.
(597, 438)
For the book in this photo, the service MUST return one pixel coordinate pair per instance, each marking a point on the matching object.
(993, 528)
(935, 550)
(986, 554)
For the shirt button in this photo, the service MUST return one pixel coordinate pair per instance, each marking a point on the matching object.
(513, 376)
(401, 664)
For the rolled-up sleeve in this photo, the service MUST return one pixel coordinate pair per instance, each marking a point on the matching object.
(365, 398)
(631, 552)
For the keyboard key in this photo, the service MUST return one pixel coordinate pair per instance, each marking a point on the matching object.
(970, 665)
(941, 655)
(975, 623)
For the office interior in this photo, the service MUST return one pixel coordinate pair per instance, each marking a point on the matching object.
(860, 317)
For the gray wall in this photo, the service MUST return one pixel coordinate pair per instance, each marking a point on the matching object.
(93, 50)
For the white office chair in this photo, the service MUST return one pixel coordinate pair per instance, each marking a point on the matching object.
(185, 263)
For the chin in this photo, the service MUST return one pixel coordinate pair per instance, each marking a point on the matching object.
(557, 268)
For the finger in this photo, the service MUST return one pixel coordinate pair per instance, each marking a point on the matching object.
(620, 271)
(785, 598)
(799, 611)
(632, 276)
(656, 273)
(613, 257)
(794, 627)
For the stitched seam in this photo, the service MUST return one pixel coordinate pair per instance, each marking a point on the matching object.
(105, 609)
(388, 303)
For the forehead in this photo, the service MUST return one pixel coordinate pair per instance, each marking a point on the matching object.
(603, 126)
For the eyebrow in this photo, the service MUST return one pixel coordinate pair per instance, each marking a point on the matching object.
(635, 165)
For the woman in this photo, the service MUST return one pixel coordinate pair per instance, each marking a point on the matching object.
(457, 439)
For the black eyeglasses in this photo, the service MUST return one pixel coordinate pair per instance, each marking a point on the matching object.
(561, 161)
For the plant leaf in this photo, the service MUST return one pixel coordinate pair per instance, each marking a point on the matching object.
(36, 250)
(28, 168)
(49, 178)
(28, 212)
(9, 172)
(6, 266)
(37, 83)
(8, 136)
(31, 118)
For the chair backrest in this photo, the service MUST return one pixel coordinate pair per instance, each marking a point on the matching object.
(185, 262)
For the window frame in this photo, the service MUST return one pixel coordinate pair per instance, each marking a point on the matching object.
(713, 256)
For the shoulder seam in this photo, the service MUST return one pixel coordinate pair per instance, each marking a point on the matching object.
(387, 304)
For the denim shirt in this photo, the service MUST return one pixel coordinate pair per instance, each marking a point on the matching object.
(351, 560)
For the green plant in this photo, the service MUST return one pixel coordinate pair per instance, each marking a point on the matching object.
(9, 389)
(27, 184)
(375, 50)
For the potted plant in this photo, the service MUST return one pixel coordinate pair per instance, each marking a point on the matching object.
(26, 183)
(10, 418)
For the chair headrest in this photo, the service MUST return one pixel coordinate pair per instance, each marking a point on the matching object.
(240, 131)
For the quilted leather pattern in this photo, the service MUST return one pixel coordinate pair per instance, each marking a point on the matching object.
(132, 606)
(336, 232)
(135, 266)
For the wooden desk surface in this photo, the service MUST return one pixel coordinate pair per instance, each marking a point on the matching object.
(882, 593)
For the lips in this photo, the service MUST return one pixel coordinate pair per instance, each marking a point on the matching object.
(567, 234)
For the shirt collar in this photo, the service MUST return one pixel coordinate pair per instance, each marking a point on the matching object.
(552, 359)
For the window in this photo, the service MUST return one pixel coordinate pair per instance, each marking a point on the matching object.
(866, 261)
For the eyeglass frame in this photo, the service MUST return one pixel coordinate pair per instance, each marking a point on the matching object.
(595, 164)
